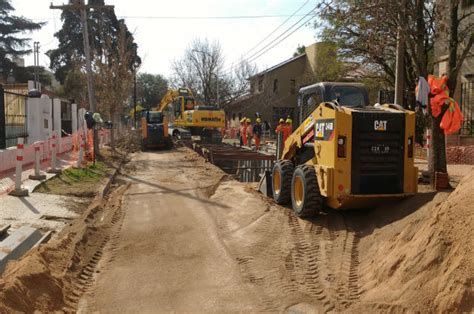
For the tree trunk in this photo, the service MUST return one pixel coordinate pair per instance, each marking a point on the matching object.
(437, 161)
(453, 66)
(113, 118)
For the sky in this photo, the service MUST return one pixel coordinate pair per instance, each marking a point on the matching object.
(162, 40)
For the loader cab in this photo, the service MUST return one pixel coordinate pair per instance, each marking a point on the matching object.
(347, 94)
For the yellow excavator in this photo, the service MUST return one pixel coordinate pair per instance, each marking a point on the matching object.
(184, 113)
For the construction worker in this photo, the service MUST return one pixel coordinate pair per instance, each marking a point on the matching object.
(249, 132)
(289, 126)
(243, 132)
(279, 129)
(257, 132)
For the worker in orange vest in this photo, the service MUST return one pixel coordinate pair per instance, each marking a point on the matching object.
(243, 132)
(281, 128)
(249, 132)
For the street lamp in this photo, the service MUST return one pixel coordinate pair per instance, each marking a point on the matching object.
(217, 78)
(135, 67)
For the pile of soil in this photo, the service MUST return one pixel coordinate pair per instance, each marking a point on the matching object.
(53, 276)
(130, 142)
(424, 262)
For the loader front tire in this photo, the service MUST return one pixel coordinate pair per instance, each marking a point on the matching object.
(281, 181)
(306, 198)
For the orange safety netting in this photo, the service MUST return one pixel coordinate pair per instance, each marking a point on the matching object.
(452, 118)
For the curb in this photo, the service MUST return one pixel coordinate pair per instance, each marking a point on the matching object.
(108, 182)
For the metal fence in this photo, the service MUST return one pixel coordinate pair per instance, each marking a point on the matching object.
(388, 97)
(66, 118)
(13, 118)
(467, 108)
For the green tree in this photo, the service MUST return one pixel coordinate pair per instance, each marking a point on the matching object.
(151, 88)
(103, 26)
(23, 74)
(299, 50)
(11, 45)
(366, 33)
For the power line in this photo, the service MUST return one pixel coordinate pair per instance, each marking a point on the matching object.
(235, 17)
(282, 34)
(276, 29)
(264, 52)
(272, 44)
(230, 17)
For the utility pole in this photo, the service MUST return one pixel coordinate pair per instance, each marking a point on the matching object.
(135, 98)
(36, 62)
(400, 57)
(79, 5)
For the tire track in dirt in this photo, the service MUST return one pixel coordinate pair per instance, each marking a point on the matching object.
(314, 270)
(255, 263)
(105, 229)
(321, 261)
(353, 282)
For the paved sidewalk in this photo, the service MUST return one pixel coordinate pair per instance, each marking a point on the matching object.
(47, 212)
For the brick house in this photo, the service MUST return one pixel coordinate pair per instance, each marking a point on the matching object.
(274, 92)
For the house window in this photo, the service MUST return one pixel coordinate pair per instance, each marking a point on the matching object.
(275, 86)
(292, 87)
(240, 116)
(467, 3)
(233, 116)
(260, 84)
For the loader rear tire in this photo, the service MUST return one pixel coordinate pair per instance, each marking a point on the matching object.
(306, 197)
(281, 181)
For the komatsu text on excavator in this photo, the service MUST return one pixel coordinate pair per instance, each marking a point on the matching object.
(203, 121)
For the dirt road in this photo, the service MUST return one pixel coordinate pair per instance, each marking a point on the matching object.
(169, 255)
(194, 240)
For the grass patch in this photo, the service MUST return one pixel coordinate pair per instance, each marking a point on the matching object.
(82, 182)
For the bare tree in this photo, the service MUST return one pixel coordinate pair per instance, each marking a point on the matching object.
(201, 69)
(238, 79)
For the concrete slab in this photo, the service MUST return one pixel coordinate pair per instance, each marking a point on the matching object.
(17, 244)
(32, 210)
(4, 229)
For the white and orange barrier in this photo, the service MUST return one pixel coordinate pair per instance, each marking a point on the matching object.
(37, 175)
(19, 191)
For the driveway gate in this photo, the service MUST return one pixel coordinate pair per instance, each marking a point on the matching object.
(13, 118)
